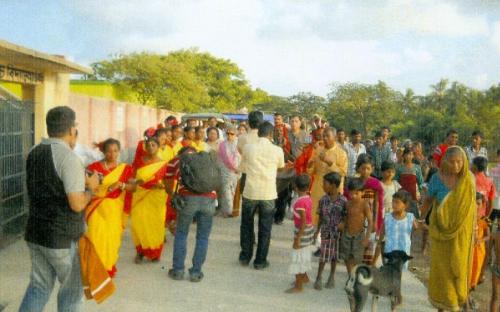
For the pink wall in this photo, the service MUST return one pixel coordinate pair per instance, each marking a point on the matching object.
(99, 119)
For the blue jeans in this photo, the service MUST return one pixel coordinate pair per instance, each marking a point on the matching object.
(200, 209)
(47, 264)
(265, 209)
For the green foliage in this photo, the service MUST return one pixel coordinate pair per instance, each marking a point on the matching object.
(184, 80)
(191, 81)
(364, 107)
(304, 104)
(423, 118)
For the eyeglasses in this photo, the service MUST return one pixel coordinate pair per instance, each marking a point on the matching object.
(231, 133)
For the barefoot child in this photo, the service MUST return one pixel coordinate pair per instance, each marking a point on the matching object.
(303, 234)
(331, 212)
(398, 225)
(355, 237)
(481, 237)
(373, 194)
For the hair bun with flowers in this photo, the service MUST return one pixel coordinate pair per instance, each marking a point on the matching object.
(149, 133)
(101, 146)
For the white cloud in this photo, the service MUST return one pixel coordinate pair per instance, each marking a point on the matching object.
(434, 18)
(495, 37)
(290, 46)
(418, 57)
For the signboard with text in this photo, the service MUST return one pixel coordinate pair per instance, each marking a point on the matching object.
(13, 74)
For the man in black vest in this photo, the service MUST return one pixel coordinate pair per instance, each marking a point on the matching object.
(58, 191)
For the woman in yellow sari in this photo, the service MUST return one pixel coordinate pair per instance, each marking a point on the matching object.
(148, 205)
(166, 150)
(104, 215)
(199, 141)
(452, 219)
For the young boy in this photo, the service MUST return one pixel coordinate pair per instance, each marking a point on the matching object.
(331, 211)
(356, 236)
(389, 184)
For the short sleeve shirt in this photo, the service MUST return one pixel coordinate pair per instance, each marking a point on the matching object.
(389, 191)
(68, 165)
(303, 203)
(331, 213)
(262, 161)
(437, 189)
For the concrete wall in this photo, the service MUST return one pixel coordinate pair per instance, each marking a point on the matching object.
(53, 92)
(99, 119)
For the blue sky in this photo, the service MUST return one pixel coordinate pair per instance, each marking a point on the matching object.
(283, 46)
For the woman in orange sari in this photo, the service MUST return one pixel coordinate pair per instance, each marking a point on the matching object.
(148, 204)
(482, 235)
(104, 215)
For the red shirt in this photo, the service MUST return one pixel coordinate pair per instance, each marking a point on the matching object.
(485, 186)
(439, 153)
(174, 173)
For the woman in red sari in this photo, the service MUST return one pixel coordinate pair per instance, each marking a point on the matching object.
(148, 205)
(302, 161)
(105, 213)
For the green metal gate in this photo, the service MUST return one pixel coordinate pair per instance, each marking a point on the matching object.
(16, 139)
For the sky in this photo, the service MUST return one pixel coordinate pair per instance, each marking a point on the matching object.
(283, 46)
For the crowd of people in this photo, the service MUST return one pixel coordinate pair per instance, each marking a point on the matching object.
(350, 199)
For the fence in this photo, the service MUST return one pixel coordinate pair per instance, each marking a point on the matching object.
(16, 139)
(99, 119)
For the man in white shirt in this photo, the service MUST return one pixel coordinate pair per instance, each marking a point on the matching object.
(354, 149)
(262, 160)
(255, 118)
(475, 149)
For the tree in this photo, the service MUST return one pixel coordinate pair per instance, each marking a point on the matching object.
(306, 104)
(364, 107)
(184, 80)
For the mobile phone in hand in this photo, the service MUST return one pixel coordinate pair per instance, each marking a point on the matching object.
(90, 173)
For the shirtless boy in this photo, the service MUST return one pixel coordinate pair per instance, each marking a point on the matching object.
(355, 237)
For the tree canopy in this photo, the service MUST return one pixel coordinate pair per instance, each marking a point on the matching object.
(425, 118)
(192, 81)
(184, 80)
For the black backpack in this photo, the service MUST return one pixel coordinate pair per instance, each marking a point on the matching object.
(200, 172)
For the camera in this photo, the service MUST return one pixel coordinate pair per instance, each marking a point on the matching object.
(90, 173)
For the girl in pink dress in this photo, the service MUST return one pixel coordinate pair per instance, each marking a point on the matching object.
(303, 234)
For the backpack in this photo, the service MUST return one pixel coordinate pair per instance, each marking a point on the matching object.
(200, 172)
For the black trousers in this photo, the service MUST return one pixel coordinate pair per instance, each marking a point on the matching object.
(265, 210)
(284, 199)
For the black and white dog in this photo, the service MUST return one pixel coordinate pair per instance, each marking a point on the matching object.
(385, 281)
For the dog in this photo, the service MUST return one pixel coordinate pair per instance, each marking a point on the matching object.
(385, 281)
